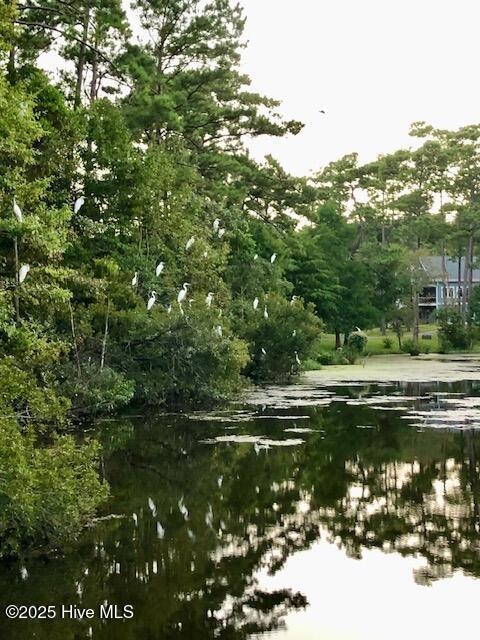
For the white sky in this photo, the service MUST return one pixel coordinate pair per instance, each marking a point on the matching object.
(375, 66)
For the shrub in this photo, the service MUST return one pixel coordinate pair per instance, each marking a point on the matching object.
(326, 358)
(453, 332)
(408, 346)
(387, 343)
(357, 341)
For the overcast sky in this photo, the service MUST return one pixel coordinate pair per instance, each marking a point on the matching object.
(374, 66)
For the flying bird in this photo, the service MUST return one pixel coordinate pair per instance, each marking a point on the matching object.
(17, 211)
(273, 257)
(22, 273)
(135, 279)
(79, 202)
(255, 304)
(322, 111)
(209, 299)
(190, 242)
(160, 268)
(151, 300)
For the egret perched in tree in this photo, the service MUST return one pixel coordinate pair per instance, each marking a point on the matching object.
(273, 257)
(265, 313)
(205, 254)
(22, 273)
(209, 299)
(216, 224)
(293, 299)
(182, 293)
(135, 519)
(152, 507)
(135, 279)
(79, 202)
(160, 268)
(221, 233)
(169, 308)
(190, 242)
(24, 573)
(151, 300)
(218, 331)
(255, 257)
(209, 516)
(297, 359)
(264, 352)
(183, 509)
(17, 211)
(160, 531)
(255, 304)
(294, 333)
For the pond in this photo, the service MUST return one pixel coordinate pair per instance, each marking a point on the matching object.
(335, 512)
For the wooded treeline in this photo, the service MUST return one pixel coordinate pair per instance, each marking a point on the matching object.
(125, 174)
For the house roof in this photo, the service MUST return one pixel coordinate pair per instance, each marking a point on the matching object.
(433, 266)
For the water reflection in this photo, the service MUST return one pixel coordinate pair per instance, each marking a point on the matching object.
(205, 505)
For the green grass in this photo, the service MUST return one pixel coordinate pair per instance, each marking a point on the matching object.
(376, 345)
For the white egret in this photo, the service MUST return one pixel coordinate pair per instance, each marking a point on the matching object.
(255, 304)
(160, 268)
(182, 293)
(135, 279)
(264, 352)
(183, 509)
(218, 331)
(265, 313)
(79, 202)
(297, 359)
(219, 481)
(191, 535)
(273, 257)
(190, 242)
(221, 233)
(22, 273)
(209, 299)
(135, 518)
(152, 507)
(160, 531)
(255, 257)
(169, 308)
(209, 516)
(205, 254)
(24, 573)
(151, 300)
(293, 299)
(216, 224)
(17, 211)
(294, 333)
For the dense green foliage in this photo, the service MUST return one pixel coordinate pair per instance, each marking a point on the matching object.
(124, 173)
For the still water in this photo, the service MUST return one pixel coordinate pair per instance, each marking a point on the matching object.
(337, 513)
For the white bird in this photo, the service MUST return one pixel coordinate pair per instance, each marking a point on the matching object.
(160, 268)
(265, 313)
(264, 352)
(135, 279)
(24, 573)
(221, 233)
(257, 448)
(152, 507)
(182, 508)
(17, 211)
(79, 202)
(293, 299)
(169, 308)
(255, 304)
(209, 299)
(255, 257)
(151, 300)
(191, 535)
(183, 292)
(297, 359)
(209, 516)
(218, 331)
(190, 242)
(216, 224)
(294, 333)
(273, 257)
(219, 481)
(358, 329)
(160, 531)
(135, 518)
(22, 273)
(205, 254)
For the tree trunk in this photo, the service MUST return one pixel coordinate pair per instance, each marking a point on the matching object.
(466, 269)
(105, 336)
(17, 266)
(81, 61)
(93, 83)
(383, 326)
(445, 275)
(416, 317)
(11, 66)
(459, 280)
(338, 341)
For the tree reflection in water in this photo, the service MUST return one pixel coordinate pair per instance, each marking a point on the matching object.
(392, 486)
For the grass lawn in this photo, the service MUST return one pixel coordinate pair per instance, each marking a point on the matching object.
(375, 344)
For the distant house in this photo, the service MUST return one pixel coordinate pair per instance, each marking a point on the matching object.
(443, 288)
